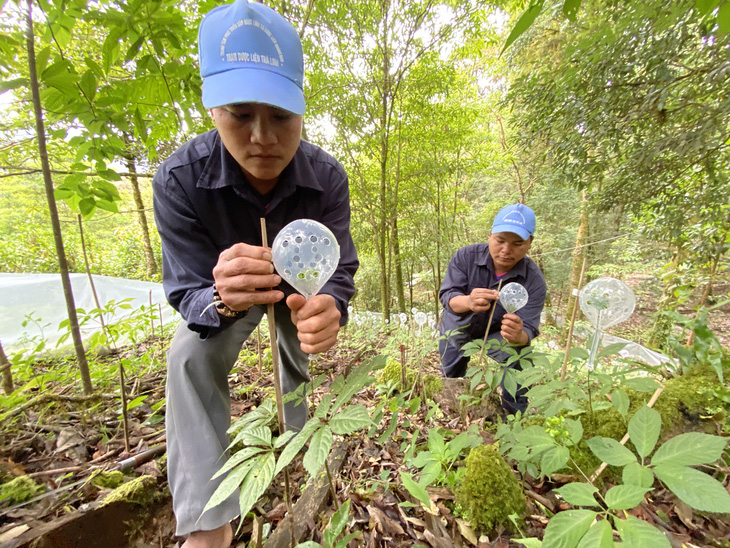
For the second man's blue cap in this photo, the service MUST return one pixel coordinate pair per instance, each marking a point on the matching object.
(250, 54)
(517, 218)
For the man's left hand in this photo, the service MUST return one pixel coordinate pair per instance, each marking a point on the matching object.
(317, 321)
(512, 330)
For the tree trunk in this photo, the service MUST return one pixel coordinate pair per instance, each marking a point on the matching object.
(383, 196)
(57, 236)
(7, 372)
(149, 255)
(399, 283)
(580, 240)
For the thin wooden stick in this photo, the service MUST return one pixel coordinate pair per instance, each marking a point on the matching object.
(572, 321)
(274, 349)
(489, 324)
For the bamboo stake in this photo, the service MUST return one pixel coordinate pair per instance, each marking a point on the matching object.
(274, 349)
(572, 321)
(489, 324)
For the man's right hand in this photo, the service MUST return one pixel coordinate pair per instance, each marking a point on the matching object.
(242, 270)
(480, 299)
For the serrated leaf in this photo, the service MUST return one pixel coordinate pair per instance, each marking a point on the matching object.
(637, 474)
(109, 175)
(600, 535)
(625, 497)
(578, 352)
(574, 429)
(636, 532)
(620, 401)
(566, 528)
(554, 459)
(610, 451)
(690, 449)
(319, 449)
(695, 488)
(578, 494)
(87, 206)
(644, 429)
(88, 84)
(229, 484)
(282, 440)
(295, 444)
(536, 439)
(256, 483)
(237, 458)
(259, 435)
(350, 419)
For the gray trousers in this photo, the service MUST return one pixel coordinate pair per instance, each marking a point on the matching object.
(198, 411)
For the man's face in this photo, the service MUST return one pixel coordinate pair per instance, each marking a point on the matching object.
(262, 139)
(507, 249)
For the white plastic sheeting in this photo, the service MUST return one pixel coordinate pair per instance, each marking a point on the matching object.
(42, 296)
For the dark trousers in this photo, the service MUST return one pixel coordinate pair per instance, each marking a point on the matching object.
(454, 364)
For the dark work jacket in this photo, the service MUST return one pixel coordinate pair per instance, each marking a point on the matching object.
(472, 267)
(204, 205)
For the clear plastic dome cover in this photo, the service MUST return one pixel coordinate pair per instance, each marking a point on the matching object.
(607, 299)
(512, 297)
(305, 254)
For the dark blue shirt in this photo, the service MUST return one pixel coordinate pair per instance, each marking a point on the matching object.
(204, 205)
(472, 267)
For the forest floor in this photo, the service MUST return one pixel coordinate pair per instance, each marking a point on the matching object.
(59, 441)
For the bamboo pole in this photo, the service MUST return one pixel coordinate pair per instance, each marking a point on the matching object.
(569, 341)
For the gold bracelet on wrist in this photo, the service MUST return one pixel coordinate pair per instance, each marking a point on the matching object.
(223, 309)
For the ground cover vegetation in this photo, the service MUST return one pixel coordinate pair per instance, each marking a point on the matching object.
(610, 120)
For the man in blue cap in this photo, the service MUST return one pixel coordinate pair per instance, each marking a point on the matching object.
(469, 291)
(209, 197)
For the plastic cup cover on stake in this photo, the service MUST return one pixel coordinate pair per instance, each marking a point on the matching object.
(605, 302)
(305, 254)
(512, 297)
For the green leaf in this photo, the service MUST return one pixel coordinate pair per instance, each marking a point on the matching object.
(416, 490)
(554, 459)
(620, 401)
(295, 444)
(525, 22)
(625, 497)
(570, 9)
(641, 384)
(644, 429)
(350, 419)
(88, 84)
(109, 175)
(706, 6)
(637, 474)
(638, 533)
(610, 451)
(259, 435)
(600, 535)
(237, 458)
(87, 206)
(285, 438)
(696, 488)
(318, 450)
(257, 482)
(574, 429)
(340, 518)
(690, 449)
(566, 528)
(14, 83)
(578, 494)
(229, 484)
(578, 352)
(536, 439)
(611, 349)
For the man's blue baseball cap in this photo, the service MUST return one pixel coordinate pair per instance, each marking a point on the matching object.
(250, 54)
(517, 218)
